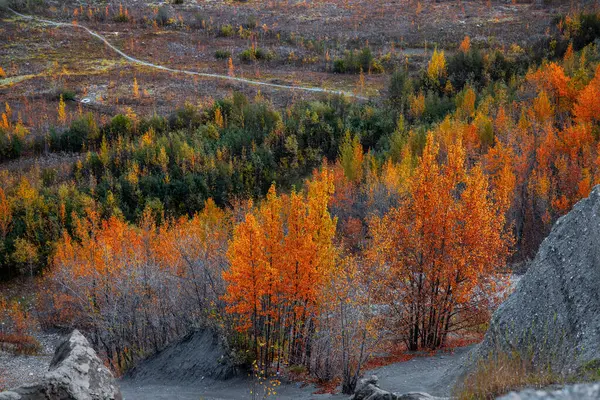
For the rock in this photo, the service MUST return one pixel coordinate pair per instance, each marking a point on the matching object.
(573, 392)
(553, 316)
(367, 389)
(75, 373)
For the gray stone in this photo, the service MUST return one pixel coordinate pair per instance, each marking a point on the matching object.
(75, 373)
(368, 389)
(573, 392)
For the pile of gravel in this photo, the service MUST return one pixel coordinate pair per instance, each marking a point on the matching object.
(201, 354)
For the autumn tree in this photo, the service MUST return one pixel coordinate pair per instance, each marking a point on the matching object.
(436, 69)
(586, 108)
(61, 111)
(465, 45)
(5, 215)
(440, 251)
(280, 259)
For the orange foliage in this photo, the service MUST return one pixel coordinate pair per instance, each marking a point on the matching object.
(465, 45)
(448, 243)
(587, 107)
(281, 256)
(552, 79)
(155, 276)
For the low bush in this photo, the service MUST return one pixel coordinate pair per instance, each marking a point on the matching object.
(466, 67)
(252, 22)
(256, 54)
(10, 146)
(222, 54)
(353, 61)
(16, 327)
(121, 17)
(226, 31)
(67, 95)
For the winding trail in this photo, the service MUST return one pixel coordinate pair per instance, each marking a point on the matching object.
(182, 71)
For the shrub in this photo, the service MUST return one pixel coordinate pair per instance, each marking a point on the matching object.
(20, 344)
(222, 54)
(226, 30)
(436, 107)
(399, 89)
(186, 117)
(582, 29)
(252, 22)
(67, 95)
(199, 21)
(16, 327)
(120, 125)
(255, 53)
(354, 61)
(11, 146)
(466, 67)
(80, 132)
(121, 17)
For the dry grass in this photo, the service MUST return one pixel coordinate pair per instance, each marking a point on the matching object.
(501, 374)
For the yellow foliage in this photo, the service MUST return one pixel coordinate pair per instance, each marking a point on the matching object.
(417, 104)
(136, 88)
(62, 112)
(436, 68)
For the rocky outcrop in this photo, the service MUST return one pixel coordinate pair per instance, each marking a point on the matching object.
(75, 373)
(573, 392)
(199, 355)
(368, 389)
(553, 316)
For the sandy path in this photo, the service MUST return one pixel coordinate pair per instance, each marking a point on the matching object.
(186, 72)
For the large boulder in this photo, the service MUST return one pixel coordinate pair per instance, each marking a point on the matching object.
(368, 389)
(553, 316)
(75, 373)
(552, 319)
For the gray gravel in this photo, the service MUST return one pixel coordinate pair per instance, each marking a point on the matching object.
(573, 392)
(419, 374)
(17, 370)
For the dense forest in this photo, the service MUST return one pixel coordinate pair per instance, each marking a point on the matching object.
(273, 223)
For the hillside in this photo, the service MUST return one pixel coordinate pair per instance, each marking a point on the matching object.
(225, 196)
